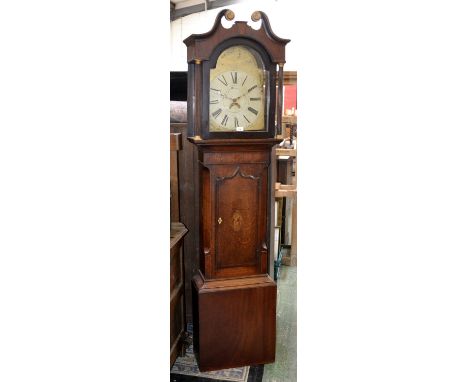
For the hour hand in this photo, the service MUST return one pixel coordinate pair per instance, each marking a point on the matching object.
(218, 91)
(224, 95)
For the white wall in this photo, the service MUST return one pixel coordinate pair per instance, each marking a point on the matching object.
(280, 13)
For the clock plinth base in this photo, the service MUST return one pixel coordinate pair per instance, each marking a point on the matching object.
(234, 321)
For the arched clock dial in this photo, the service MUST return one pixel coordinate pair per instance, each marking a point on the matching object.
(237, 92)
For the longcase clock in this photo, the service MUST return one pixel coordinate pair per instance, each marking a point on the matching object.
(234, 112)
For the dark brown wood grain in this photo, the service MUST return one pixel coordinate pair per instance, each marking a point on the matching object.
(271, 216)
(235, 322)
(234, 298)
(201, 46)
(176, 145)
(203, 51)
(188, 207)
(177, 303)
(240, 192)
(239, 210)
(235, 208)
(206, 215)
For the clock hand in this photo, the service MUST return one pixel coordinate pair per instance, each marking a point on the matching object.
(238, 97)
(225, 96)
(243, 95)
(221, 94)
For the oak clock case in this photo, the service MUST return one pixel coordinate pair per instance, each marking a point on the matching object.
(232, 84)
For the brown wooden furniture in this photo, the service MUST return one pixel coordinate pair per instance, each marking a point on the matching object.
(187, 183)
(236, 322)
(176, 145)
(234, 297)
(178, 231)
(177, 307)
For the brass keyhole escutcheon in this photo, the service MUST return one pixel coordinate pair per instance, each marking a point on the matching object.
(220, 220)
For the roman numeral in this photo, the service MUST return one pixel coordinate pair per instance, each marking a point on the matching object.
(253, 110)
(252, 88)
(216, 113)
(214, 101)
(255, 99)
(246, 118)
(244, 80)
(236, 122)
(225, 119)
(223, 81)
(234, 77)
(216, 90)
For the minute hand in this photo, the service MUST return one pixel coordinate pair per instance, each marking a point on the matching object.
(248, 91)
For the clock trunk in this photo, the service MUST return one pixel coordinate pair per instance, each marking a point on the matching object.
(234, 298)
(234, 208)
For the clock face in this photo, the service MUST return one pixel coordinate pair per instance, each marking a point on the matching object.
(238, 91)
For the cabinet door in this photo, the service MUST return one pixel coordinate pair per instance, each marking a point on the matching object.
(240, 195)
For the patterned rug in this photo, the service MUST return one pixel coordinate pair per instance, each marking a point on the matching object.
(187, 365)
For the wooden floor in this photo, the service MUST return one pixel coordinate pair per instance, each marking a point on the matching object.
(285, 367)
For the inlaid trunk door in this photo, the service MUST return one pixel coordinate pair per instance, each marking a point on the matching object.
(240, 218)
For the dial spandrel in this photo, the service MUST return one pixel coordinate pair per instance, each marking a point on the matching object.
(237, 91)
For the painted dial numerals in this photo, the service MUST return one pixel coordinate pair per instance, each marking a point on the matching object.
(237, 92)
(236, 101)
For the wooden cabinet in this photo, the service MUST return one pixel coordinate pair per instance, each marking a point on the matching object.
(177, 308)
(187, 184)
(234, 210)
(178, 231)
(234, 298)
